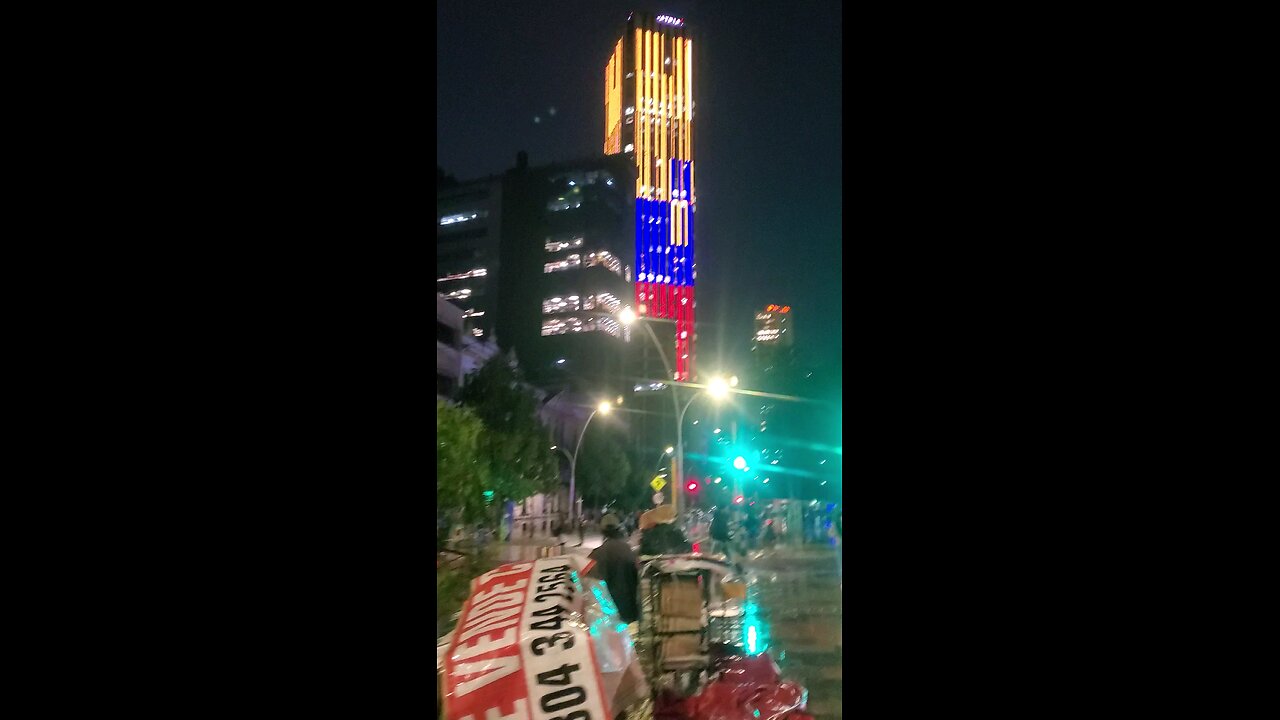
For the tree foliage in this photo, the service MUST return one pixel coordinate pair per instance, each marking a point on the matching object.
(461, 478)
(513, 448)
(603, 468)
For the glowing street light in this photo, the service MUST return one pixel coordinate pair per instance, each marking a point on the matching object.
(670, 450)
(604, 408)
(627, 316)
(718, 387)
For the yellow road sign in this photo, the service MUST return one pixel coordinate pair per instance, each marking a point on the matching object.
(658, 483)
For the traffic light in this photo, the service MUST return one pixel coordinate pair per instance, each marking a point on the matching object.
(738, 500)
(692, 486)
(740, 463)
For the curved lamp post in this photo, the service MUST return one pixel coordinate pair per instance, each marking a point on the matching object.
(603, 408)
(717, 388)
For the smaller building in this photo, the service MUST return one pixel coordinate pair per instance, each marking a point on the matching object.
(772, 325)
(449, 323)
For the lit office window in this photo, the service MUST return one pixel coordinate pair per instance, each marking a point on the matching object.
(607, 259)
(551, 306)
(463, 217)
(555, 245)
(566, 325)
(568, 263)
(478, 272)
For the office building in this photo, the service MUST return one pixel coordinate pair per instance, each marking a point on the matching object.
(468, 230)
(649, 119)
(772, 324)
(540, 260)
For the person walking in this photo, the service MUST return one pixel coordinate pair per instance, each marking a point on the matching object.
(582, 531)
(721, 534)
(617, 565)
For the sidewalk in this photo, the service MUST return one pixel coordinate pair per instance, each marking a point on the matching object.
(523, 549)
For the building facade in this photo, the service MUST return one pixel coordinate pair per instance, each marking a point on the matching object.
(565, 248)
(649, 119)
(468, 235)
(449, 330)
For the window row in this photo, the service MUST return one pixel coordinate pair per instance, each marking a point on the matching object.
(572, 303)
(478, 272)
(558, 245)
(602, 257)
(463, 217)
(564, 326)
(588, 178)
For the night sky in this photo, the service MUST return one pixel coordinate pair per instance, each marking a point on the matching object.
(767, 148)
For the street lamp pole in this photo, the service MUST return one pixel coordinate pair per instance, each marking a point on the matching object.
(573, 459)
(677, 470)
(665, 453)
(718, 387)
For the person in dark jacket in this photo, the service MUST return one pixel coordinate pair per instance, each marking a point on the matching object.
(617, 566)
(720, 532)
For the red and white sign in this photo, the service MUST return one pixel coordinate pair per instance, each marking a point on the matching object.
(521, 651)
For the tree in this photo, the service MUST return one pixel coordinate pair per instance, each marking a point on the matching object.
(603, 469)
(514, 448)
(461, 478)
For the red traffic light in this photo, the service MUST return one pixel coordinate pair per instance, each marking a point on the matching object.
(692, 486)
(738, 500)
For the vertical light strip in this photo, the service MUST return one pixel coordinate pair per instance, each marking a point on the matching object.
(684, 121)
(666, 122)
(643, 113)
(671, 124)
(680, 92)
(688, 99)
(653, 125)
(608, 75)
(637, 115)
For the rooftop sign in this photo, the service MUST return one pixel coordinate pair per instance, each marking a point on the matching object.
(669, 20)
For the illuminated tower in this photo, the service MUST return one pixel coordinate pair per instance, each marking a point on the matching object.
(649, 117)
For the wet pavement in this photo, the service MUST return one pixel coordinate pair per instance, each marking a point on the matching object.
(798, 589)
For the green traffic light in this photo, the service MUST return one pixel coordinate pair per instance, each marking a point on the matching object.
(740, 463)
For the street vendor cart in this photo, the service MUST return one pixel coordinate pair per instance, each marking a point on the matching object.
(691, 608)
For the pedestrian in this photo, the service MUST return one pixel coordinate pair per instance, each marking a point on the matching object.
(582, 531)
(618, 567)
(721, 534)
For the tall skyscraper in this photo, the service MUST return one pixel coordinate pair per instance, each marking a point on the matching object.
(649, 104)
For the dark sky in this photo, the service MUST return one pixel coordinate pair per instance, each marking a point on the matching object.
(767, 142)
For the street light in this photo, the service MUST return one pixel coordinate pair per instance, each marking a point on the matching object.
(717, 387)
(604, 408)
(669, 451)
